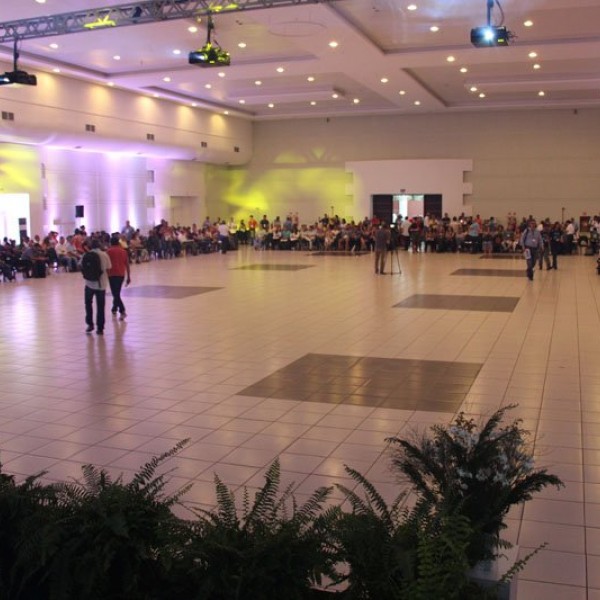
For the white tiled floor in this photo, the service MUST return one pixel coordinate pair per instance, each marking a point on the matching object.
(174, 368)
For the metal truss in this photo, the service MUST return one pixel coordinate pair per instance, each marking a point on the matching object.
(134, 13)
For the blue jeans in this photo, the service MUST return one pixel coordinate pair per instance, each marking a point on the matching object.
(89, 309)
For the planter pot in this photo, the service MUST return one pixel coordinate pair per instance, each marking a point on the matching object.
(489, 572)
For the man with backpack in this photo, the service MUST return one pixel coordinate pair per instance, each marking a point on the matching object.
(95, 264)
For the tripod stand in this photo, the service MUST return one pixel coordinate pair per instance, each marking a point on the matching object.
(393, 252)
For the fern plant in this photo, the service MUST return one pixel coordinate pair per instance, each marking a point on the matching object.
(114, 540)
(271, 548)
(374, 544)
(478, 471)
(26, 508)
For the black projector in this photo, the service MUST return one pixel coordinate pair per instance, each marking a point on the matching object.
(20, 77)
(209, 56)
(487, 36)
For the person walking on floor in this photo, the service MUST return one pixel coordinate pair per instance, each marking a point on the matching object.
(95, 274)
(532, 243)
(119, 260)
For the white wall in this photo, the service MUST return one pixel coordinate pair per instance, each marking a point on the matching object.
(523, 161)
(56, 112)
(444, 177)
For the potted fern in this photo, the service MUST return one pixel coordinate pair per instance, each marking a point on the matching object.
(477, 470)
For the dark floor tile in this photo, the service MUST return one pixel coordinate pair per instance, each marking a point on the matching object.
(272, 267)
(491, 272)
(455, 302)
(172, 292)
(388, 382)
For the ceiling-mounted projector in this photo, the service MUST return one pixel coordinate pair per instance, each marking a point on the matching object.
(210, 55)
(20, 77)
(16, 76)
(489, 35)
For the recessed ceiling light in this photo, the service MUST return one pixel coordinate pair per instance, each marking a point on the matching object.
(402, 92)
(54, 45)
(333, 44)
(417, 103)
(464, 70)
(258, 82)
(41, 1)
(473, 88)
(242, 45)
(116, 57)
(384, 80)
(194, 105)
(56, 70)
(242, 101)
(156, 95)
(192, 29)
(271, 105)
(208, 86)
(110, 84)
(280, 69)
(225, 112)
(177, 51)
(537, 66)
(411, 7)
(221, 74)
(311, 78)
(450, 58)
(482, 95)
(528, 23)
(313, 103)
(335, 96)
(356, 101)
(166, 79)
(434, 29)
(532, 55)
(541, 93)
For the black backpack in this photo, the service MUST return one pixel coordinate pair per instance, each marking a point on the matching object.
(91, 267)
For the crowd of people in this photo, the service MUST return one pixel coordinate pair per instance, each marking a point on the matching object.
(37, 256)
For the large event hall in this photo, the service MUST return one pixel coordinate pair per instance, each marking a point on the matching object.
(352, 108)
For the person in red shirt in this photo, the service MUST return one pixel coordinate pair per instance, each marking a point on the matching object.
(116, 274)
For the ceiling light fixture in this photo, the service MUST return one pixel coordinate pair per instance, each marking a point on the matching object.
(242, 45)
(411, 7)
(16, 76)
(491, 35)
(528, 23)
(537, 66)
(333, 44)
(211, 54)
(280, 69)
(532, 54)
(53, 45)
(310, 78)
(464, 70)
(434, 29)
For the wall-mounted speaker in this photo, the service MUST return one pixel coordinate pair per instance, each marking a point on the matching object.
(79, 211)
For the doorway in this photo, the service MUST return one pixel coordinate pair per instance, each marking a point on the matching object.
(389, 206)
(14, 216)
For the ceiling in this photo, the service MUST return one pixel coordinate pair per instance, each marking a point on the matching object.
(387, 61)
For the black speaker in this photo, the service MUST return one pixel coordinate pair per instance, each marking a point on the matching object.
(79, 211)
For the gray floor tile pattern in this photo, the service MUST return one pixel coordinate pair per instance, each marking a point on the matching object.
(173, 292)
(455, 302)
(369, 381)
